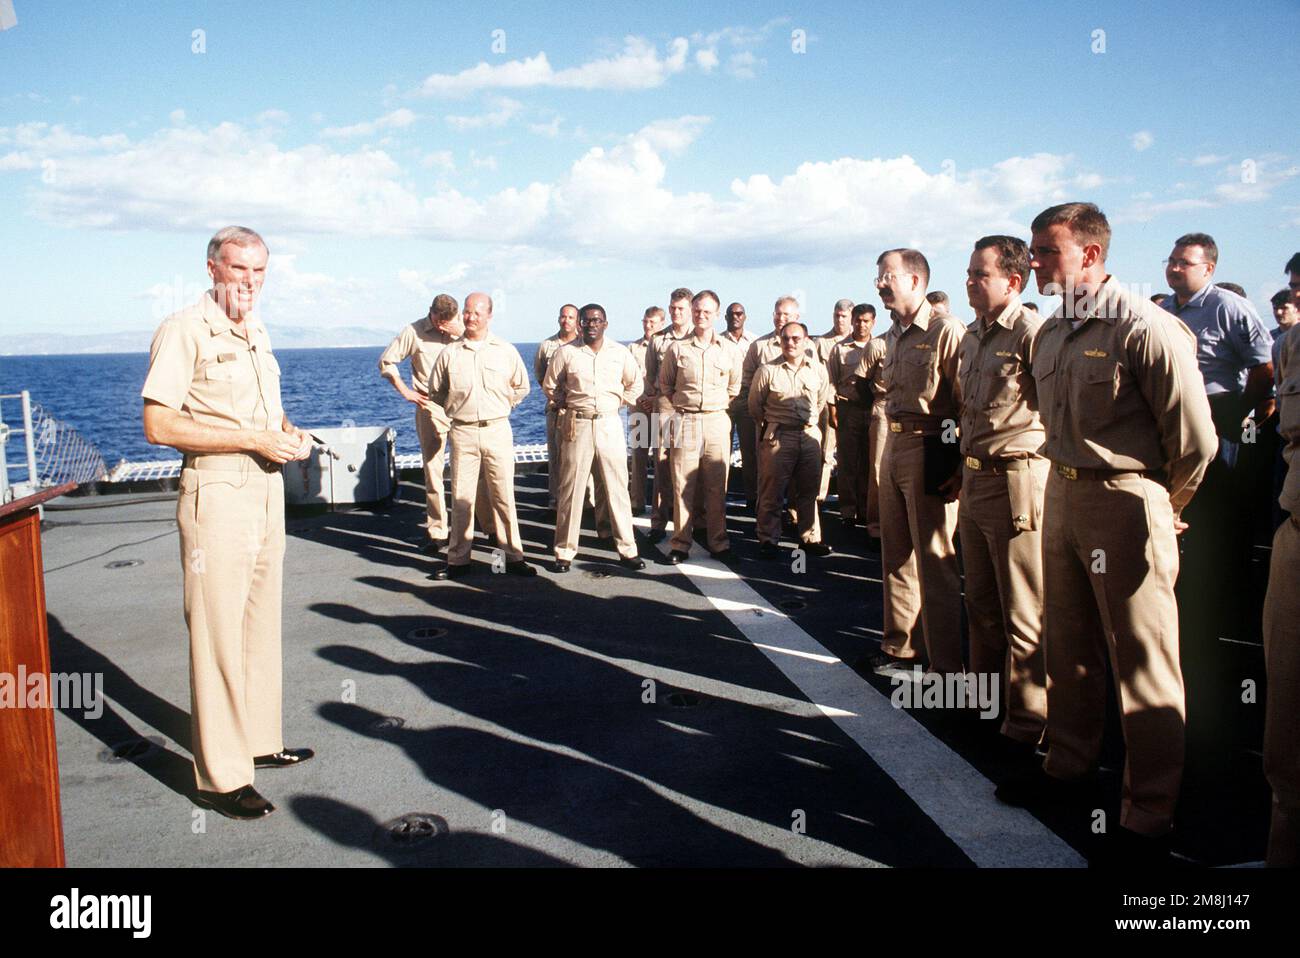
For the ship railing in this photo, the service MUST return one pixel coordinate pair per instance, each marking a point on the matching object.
(53, 451)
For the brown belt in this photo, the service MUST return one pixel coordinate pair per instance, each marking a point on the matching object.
(478, 423)
(1101, 475)
(916, 424)
(577, 414)
(697, 412)
(996, 467)
(229, 462)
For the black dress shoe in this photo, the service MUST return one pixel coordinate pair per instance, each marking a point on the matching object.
(881, 661)
(242, 804)
(283, 759)
(635, 563)
(676, 557)
(520, 568)
(562, 565)
(656, 535)
(769, 550)
(448, 571)
(723, 555)
(816, 548)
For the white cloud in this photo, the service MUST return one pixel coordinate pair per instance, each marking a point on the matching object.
(743, 65)
(551, 129)
(706, 60)
(398, 119)
(273, 117)
(501, 268)
(426, 283)
(17, 161)
(612, 199)
(505, 110)
(1142, 140)
(738, 37)
(441, 159)
(1251, 181)
(177, 116)
(638, 67)
(1206, 159)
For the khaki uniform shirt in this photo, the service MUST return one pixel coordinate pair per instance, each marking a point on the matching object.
(476, 381)
(421, 343)
(746, 337)
(871, 367)
(584, 380)
(825, 344)
(699, 378)
(213, 371)
(763, 350)
(1123, 392)
(920, 366)
(1288, 411)
(639, 349)
(842, 367)
(786, 395)
(545, 350)
(654, 358)
(996, 389)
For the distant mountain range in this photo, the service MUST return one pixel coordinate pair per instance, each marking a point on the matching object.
(137, 341)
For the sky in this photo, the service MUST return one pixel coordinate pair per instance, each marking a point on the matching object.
(612, 152)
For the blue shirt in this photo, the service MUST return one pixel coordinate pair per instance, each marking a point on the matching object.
(1230, 338)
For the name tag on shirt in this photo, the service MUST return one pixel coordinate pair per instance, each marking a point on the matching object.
(921, 346)
(1004, 354)
(1096, 353)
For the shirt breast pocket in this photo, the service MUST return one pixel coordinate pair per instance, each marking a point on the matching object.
(916, 373)
(1097, 387)
(1004, 385)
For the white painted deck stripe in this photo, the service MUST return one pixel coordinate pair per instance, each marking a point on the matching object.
(944, 786)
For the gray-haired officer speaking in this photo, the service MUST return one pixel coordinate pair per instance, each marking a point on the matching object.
(213, 393)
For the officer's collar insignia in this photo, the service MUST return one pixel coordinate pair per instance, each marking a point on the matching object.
(1096, 353)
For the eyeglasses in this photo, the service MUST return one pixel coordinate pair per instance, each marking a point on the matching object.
(1184, 264)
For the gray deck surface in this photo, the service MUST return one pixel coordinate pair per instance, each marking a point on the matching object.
(525, 726)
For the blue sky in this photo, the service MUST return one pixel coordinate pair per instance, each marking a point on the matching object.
(615, 151)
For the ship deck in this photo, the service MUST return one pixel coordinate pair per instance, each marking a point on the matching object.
(695, 715)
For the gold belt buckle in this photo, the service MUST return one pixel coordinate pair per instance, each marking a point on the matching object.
(895, 427)
(973, 463)
(1068, 472)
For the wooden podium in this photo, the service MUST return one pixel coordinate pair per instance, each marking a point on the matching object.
(31, 825)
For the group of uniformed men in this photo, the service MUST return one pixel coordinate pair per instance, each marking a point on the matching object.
(1064, 451)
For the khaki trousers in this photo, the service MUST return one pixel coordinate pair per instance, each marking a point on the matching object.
(1110, 560)
(828, 453)
(1282, 709)
(488, 450)
(699, 457)
(231, 519)
(1004, 588)
(554, 467)
(852, 437)
(878, 427)
(592, 446)
(793, 458)
(637, 479)
(743, 425)
(922, 587)
(661, 495)
(433, 449)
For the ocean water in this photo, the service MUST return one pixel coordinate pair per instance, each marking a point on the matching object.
(99, 395)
